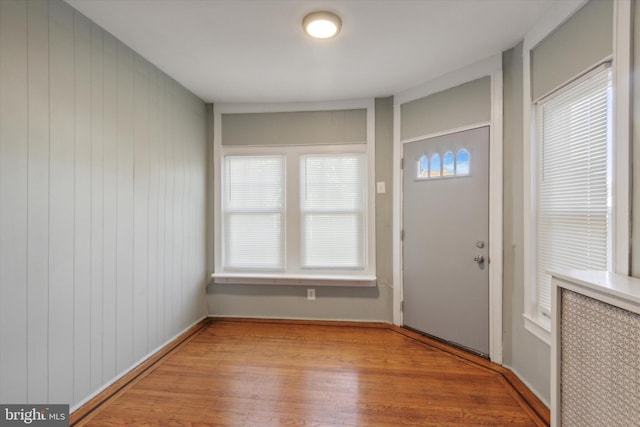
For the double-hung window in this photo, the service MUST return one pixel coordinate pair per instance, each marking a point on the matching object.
(254, 213)
(573, 181)
(333, 211)
(295, 215)
(576, 149)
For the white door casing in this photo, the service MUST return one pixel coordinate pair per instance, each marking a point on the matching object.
(489, 67)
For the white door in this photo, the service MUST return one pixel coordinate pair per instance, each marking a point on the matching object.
(446, 232)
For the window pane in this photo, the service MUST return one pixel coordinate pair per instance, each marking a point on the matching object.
(423, 167)
(573, 200)
(253, 206)
(254, 241)
(332, 202)
(333, 182)
(435, 166)
(253, 182)
(448, 166)
(333, 241)
(462, 162)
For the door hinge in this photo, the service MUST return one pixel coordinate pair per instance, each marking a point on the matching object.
(402, 163)
(402, 306)
(402, 235)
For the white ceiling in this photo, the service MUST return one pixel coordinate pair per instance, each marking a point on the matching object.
(254, 51)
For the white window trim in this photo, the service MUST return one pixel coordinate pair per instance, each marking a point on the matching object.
(621, 75)
(361, 278)
(489, 67)
(536, 324)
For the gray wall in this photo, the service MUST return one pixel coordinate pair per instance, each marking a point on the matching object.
(332, 303)
(463, 105)
(585, 39)
(522, 352)
(295, 128)
(102, 205)
(384, 201)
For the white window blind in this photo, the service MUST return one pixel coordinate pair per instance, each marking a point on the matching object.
(253, 212)
(573, 181)
(332, 206)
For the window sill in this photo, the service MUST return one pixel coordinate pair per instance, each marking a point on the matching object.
(541, 328)
(293, 279)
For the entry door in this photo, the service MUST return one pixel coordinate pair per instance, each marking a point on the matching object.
(446, 232)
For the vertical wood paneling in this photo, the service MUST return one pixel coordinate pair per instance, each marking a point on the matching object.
(13, 203)
(97, 205)
(178, 205)
(187, 262)
(124, 301)
(110, 197)
(162, 217)
(190, 216)
(199, 212)
(141, 209)
(200, 268)
(38, 191)
(61, 197)
(101, 205)
(170, 285)
(152, 224)
(197, 215)
(82, 232)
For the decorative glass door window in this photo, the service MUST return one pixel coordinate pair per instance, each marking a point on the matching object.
(434, 166)
(446, 166)
(463, 160)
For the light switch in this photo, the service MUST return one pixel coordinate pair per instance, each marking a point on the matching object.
(380, 187)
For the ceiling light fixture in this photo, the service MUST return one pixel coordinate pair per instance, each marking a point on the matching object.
(322, 25)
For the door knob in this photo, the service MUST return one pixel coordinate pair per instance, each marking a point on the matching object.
(479, 259)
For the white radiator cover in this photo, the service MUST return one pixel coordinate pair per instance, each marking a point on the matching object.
(596, 350)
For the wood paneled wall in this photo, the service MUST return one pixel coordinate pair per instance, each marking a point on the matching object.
(102, 205)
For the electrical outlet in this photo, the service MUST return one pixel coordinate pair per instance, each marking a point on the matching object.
(311, 294)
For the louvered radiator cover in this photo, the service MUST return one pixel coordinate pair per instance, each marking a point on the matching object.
(599, 363)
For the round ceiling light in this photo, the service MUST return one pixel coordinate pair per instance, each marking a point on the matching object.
(322, 25)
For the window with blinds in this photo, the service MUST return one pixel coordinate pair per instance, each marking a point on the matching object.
(253, 212)
(294, 213)
(573, 181)
(332, 209)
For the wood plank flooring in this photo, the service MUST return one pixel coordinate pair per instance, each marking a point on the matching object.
(262, 373)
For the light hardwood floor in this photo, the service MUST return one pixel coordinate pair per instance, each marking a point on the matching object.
(281, 373)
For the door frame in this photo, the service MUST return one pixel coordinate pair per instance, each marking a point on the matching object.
(491, 67)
